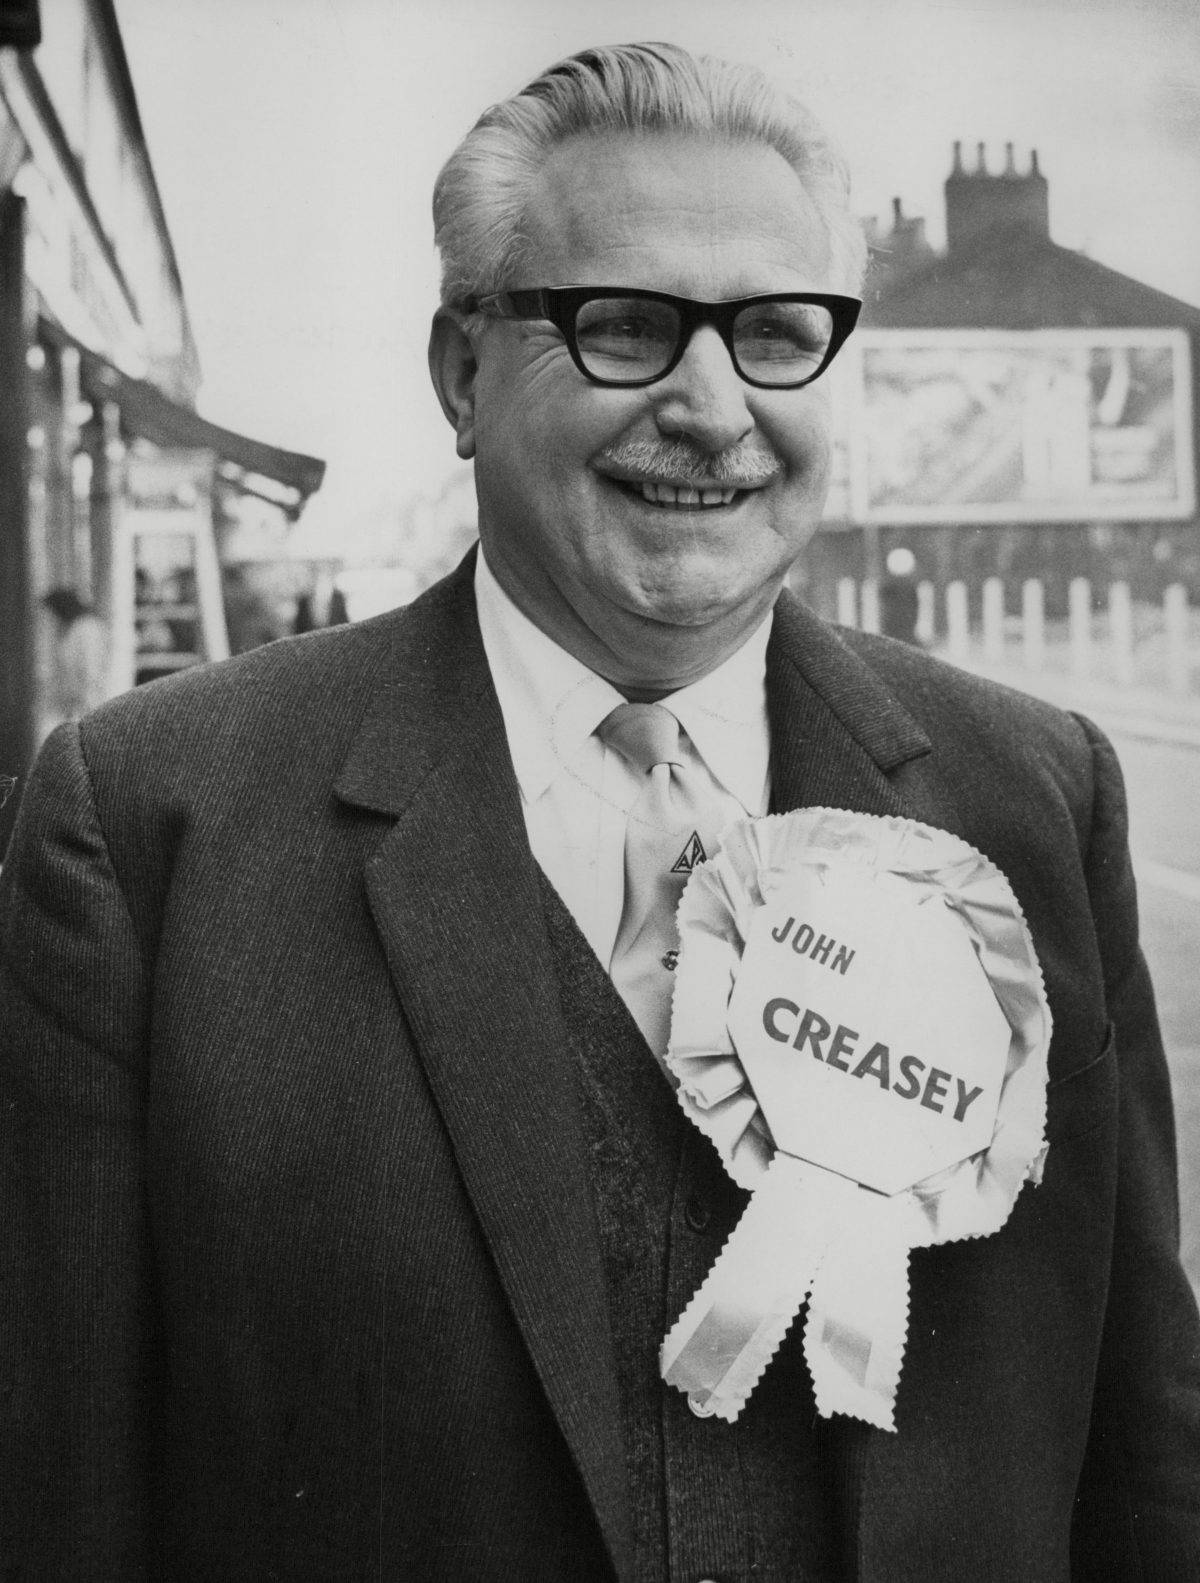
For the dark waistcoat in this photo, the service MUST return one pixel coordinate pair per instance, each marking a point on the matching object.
(752, 1500)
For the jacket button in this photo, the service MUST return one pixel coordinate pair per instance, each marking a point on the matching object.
(701, 1409)
(697, 1214)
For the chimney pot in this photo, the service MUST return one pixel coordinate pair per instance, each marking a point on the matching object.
(1009, 200)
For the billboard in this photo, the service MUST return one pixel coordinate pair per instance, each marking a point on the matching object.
(978, 426)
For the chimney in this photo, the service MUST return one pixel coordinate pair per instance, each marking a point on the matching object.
(978, 202)
(908, 235)
(902, 244)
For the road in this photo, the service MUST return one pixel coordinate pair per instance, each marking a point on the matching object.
(1163, 781)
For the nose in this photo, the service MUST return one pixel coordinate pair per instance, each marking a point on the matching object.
(703, 396)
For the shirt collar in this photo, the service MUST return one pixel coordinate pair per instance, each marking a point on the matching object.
(552, 703)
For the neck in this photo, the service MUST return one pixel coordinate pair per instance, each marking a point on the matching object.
(643, 658)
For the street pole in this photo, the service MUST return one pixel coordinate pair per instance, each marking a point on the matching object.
(16, 596)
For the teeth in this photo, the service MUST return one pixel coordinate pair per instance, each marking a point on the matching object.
(685, 495)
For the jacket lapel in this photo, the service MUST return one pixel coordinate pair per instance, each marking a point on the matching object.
(454, 892)
(837, 734)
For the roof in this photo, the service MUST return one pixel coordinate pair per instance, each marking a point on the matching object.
(1015, 279)
(109, 33)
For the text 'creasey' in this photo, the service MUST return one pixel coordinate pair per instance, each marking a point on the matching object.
(838, 1047)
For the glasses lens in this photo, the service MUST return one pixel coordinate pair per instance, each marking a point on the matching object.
(626, 338)
(782, 343)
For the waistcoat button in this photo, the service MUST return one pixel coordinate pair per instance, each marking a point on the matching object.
(701, 1410)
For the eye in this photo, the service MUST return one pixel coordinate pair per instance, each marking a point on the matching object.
(620, 328)
(783, 332)
(626, 330)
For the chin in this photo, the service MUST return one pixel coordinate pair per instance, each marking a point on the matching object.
(687, 605)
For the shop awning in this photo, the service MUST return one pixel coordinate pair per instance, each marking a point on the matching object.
(147, 412)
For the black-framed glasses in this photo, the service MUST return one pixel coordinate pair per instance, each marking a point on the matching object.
(622, 335)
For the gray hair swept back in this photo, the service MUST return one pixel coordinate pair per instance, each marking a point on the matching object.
(481, 193)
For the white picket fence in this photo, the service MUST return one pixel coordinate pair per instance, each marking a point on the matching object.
(1115, 639)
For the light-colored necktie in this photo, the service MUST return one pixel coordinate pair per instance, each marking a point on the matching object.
(672, 826)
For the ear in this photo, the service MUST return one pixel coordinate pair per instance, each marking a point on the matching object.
(453, 366)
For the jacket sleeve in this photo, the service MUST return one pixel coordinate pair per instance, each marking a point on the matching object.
(77, 1329)
(1143, 1472)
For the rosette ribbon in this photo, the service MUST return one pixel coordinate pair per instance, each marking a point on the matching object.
(860, 1027)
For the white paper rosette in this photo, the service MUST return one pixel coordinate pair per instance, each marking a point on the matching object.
(860, 1026)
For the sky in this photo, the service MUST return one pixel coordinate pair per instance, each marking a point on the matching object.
(295, 144)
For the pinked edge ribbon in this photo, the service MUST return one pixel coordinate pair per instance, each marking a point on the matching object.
(808, 1233)
(805, 1231)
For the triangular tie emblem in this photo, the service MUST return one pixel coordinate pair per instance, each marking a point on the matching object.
(692, 854)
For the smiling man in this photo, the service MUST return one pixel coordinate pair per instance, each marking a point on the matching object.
(347, 1196)
(645, 515)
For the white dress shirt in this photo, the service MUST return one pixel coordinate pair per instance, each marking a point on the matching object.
(575, 792)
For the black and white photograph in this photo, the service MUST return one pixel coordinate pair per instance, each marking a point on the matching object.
(599, 791)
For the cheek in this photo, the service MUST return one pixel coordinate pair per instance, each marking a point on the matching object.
(809, 465)
(817, 457)
(525, 430)
(799, 429)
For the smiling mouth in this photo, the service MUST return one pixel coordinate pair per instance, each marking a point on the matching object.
(679, 495)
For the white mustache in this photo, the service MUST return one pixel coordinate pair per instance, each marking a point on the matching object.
(742, 466)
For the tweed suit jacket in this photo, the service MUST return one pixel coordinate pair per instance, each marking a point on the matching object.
(300, 1270)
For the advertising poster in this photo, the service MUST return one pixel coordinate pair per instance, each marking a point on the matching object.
(1002, 426)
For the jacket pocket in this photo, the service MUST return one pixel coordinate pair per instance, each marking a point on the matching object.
(1086, 1097)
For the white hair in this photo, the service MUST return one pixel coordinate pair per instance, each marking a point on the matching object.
(480, 197)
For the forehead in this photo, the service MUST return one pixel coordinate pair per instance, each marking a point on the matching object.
(701, 216)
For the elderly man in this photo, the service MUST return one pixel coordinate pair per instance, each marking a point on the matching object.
(347, 1199)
